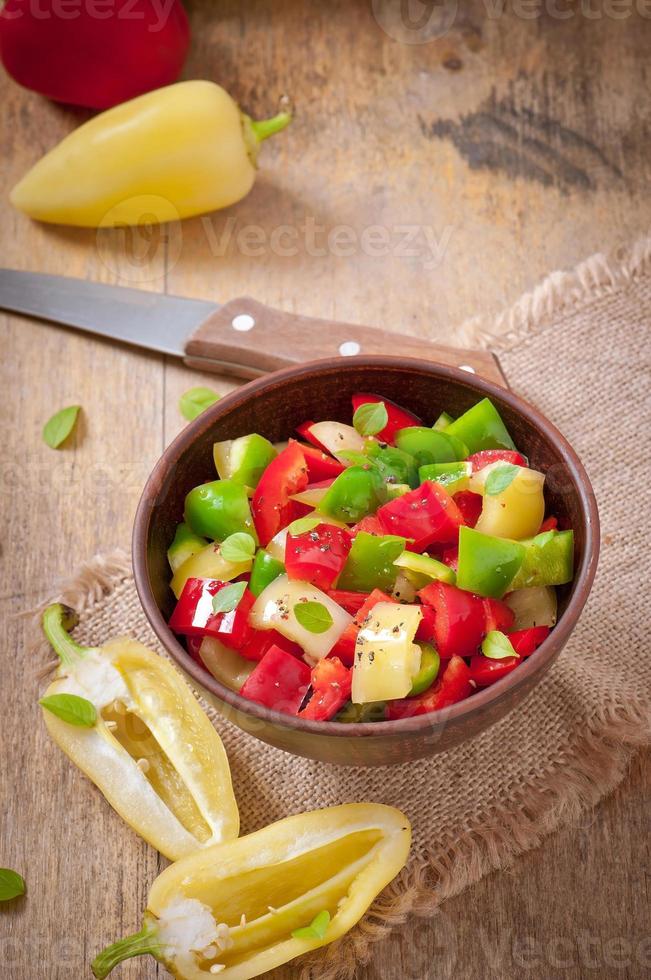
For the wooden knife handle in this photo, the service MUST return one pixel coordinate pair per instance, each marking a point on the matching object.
(245, 338)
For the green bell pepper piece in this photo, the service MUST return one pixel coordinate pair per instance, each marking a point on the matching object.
(370, 563)
(244, 460)
(481, 427)
(442, 422)
(351, 713)
(428, 446)
(487, 565)
(265, 569)
(356, 492)
(452, 476)
(185, 544)
(548, 560)
(394, 465)
(430, 664)
(219, 509)
(422, 569)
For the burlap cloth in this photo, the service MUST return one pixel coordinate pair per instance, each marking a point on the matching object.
(578, 348)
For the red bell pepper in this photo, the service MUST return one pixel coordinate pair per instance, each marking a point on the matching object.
(352, 602)
(271, 507)
(194, 616)
(304, 432)
(344, 648)
(487, 456)
(450, 557)
(193, 645)
(280, 681)
(399, 418)
(549, 524)
(317, 556)
(425, 631)
(524, 642)
(427, 515)
(484, 671)
(320, 465)
(470, 505)
(460, 619)
(331, 685)
(498, 616)
(452, 686)
(371, 524)
(261, 640)
(89, 58)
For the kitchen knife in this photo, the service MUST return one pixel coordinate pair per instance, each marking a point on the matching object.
(243, 338)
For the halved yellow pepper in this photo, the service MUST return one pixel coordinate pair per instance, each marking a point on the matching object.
(242, 908)
(386, 657)
(518, 510)
(172, 153)
(152, 751)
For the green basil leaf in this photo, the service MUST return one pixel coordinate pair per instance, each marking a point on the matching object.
(11, 885)
(313, 616)
(500, 478)
(195, 401)
(228, 598)
(371, 418)
(497, 646)
(317, 928)
(303, 525)
(238, 547)
(71, 709)
(59, 427)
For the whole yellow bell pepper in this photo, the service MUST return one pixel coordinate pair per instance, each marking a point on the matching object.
(242, 908)
(148, 747)
(173, 153)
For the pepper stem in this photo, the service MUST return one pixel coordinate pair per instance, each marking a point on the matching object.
(264, 128)
(140, 944)
(57, 620)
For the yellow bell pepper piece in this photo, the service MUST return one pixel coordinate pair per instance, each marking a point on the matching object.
(386, 657)
(152, 752)
(517, 511)
(245, 907)
(208, 563)
(172, 153)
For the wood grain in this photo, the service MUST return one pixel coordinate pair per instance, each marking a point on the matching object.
(467, 154)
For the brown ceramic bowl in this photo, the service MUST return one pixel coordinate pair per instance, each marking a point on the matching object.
(273, 406)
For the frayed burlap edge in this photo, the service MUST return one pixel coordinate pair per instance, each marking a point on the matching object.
(560, 293)
(595, 762)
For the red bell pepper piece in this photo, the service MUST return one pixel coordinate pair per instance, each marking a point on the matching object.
(460, 619)
(470, 505)
(498, 616)
(526, 641)
(484, 671)
(452, 686)
(344, 648)
(261, 640)
(487, 456)
(194, 616)
(331, 685)
(280, 681)
(271, 507)
(399, 418)
(89, 58)
(193, 645)
(317, 556)
(425, 631)
(371, 524)
(427, 515)
(352, 602)
(450, 557)
(304, 431)
(320, 465)
(549, 524)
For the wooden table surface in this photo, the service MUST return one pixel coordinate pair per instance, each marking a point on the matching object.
(489, 155)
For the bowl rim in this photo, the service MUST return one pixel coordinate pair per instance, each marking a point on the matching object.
(538, 661)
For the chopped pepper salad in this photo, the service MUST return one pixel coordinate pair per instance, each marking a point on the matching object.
(369, 572)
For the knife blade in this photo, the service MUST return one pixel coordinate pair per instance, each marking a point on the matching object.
(243, 337)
